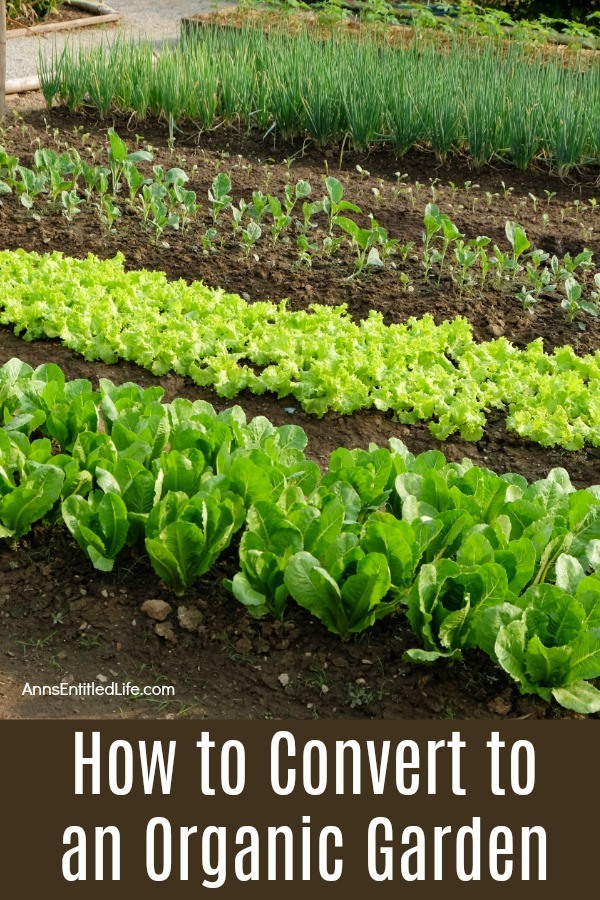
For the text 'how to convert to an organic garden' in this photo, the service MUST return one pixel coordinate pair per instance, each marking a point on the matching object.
(272, 809)
(221, 838)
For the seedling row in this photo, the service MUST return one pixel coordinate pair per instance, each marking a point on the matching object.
(320, 227)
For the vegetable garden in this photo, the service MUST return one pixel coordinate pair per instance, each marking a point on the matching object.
(300, 336)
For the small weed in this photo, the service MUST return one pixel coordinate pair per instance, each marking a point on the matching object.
(88, 641)
(233, 653)
(36, 644)
(359, 695)
(318, 679)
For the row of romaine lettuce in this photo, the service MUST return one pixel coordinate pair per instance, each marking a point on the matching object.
(473, 558)
(420, 370)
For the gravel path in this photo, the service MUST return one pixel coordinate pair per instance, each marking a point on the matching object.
(141, 18)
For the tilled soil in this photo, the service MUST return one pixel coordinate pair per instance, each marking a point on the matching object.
(64, 621)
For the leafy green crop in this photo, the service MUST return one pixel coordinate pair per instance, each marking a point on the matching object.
(271, 537)
(420, 370)
(30, 501)
(549, 640)
(474, 559)
(135, 485)
(98, 524)
(185, 535)
(467, 98)
(447, 602)
(344, 604)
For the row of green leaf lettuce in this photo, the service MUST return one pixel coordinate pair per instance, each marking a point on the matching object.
(422, 371)
(471, 558)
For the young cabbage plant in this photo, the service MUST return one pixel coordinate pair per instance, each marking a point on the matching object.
(294, 193)
(133, 179)
(71, 203)
(364, 240)
(310, 209)
(517, 239)
(281, 220)
(333, 204)
(185, 202)
(109, 211)
(218, 196)
(259, 206)
(250, 236)
(237, 216)
(28, 185)
(118, 155)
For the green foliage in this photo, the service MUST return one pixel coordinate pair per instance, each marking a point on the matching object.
(98, 524)
(321, 357)
(24, 504)
(489, 100)
(185, 535)
(166, 203)
(346, 604)
(576, 10)
(30, 9)
(549, 640)
(474, 559)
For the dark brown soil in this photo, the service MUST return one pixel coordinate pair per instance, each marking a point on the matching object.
(61, 619)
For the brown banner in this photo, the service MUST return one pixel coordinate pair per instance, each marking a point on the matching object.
(251, 809)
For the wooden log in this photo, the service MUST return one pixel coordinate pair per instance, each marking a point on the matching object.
(20, 85)
(65, 26)
(95, 7)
